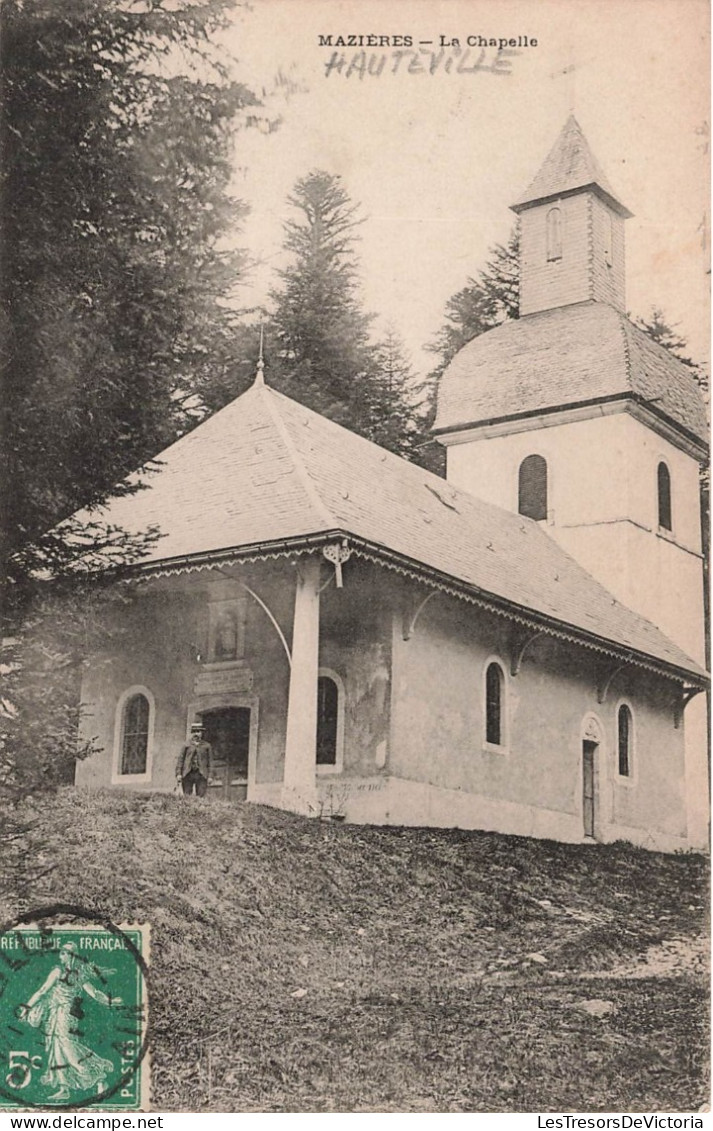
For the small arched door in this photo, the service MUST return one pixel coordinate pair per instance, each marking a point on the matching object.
(589, 798)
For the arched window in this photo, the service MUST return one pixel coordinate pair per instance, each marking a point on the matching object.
(494, 705)
(664, 496)
(532, 488)
(624, 734)
(135, 734)
(554, 234)
(329, 723)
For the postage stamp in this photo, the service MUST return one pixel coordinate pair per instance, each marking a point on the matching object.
(74, 1015)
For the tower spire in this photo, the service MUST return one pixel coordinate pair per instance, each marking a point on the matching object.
(571, 230)
(570, 167)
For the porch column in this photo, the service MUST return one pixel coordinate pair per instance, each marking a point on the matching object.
(299, 791)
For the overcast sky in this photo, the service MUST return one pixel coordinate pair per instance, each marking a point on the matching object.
(435, 159)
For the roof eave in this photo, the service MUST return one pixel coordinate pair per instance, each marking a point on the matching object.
(522, 613)
(420, 571)
(699, 448)
(591, 186)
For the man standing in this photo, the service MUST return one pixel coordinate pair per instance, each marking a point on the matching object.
(195, 763)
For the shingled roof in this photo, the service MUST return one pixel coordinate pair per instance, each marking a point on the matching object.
(569, 166)
(265, 471)
(570, 355)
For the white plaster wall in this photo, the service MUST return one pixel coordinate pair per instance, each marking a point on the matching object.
(164, 628)
(602, 508)
(695, 726)
(418, 803)
(152, 651)
(603, 471)
(438, 733)
(156, 648)
(433, 766)
(580, 455)
(401, 802)
(647, 572)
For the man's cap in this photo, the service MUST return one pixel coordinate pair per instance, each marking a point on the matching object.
(196, 726)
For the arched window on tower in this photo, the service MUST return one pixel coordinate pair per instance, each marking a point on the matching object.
(494, 705)
(554, 234)
(134, 734)
(532, 488)
(624, 729)
(664, 497)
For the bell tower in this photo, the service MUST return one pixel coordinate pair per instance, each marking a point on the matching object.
(571, 230)
(574, 418)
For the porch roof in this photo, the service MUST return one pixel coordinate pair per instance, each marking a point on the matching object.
(267, 472)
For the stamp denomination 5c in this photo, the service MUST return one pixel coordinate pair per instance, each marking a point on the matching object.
(73, 1016)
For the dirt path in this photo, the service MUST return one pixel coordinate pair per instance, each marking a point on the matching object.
(671, 958)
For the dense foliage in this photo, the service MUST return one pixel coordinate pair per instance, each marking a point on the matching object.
(115, 130)
(667, 335)
(318, 340)
(488, 298)
(116, 135)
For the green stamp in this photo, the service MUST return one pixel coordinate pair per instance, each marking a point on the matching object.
(73, 1013)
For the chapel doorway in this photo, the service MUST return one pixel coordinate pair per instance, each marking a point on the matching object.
(227, 729)
(589, 750)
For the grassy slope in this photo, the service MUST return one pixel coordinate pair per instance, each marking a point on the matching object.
(412, 946)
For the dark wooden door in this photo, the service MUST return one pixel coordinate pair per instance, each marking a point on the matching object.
(227, 729)
(589, 750)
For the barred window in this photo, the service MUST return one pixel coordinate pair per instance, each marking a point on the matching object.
(135, 735)
(532, 488)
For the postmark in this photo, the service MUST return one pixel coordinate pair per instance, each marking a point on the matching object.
(74, 1026)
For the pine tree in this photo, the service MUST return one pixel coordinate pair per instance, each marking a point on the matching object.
(489, 298)
(397, 405)
(318, 341)
(323, 357)
(116, 128)
(667, 335)
(114, 202)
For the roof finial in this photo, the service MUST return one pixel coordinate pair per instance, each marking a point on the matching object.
(568, 72)
(571, 73)
(260, 374)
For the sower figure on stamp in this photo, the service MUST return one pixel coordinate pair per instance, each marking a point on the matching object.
(195, 763)
(55, 1008)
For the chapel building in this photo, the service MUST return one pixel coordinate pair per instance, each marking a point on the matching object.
(517, 648)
